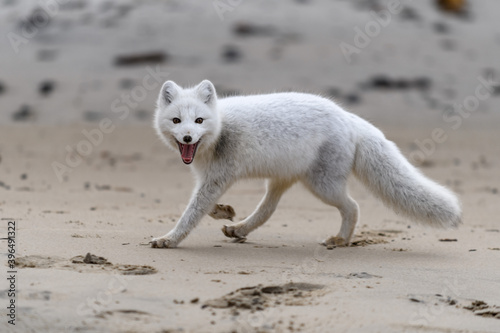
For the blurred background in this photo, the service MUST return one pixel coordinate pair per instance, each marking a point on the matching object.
(394, 62)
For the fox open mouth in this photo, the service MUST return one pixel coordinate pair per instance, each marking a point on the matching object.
(187, 151)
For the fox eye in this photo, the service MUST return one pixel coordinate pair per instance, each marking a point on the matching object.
(198, 120)
(176, 120)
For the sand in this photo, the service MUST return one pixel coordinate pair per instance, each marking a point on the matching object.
(83, 231)
(113, 209)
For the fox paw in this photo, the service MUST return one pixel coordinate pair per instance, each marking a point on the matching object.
(222, 212)
(334, 242)
(232, 232)
(163, 242)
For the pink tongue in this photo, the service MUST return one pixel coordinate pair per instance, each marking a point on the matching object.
(187, 152)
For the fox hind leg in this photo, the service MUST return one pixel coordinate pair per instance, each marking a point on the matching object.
(267, 206)
(328, 181)
(349, 211)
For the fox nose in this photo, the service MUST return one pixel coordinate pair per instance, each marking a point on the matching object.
(187, 139)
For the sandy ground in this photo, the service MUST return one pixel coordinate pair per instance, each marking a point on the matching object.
(132, 188)
(63, 79)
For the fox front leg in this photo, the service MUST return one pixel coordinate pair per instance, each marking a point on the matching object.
(201, 203)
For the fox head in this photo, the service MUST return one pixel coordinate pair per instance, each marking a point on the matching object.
(187, 120)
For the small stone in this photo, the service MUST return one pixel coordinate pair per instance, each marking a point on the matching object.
(441, 27)
(245, 29)
(46, 55)
(46, 87)
(381, 82)
(402, 84)
(231, 53)
(144, 58)
(409, 13)
(448, 44)
(23, 114)
(334, 92)
(452, 6)
(142, 115)
(352, 98)
(93, 116)
(127, 84)
(422, 83)
(239, 240)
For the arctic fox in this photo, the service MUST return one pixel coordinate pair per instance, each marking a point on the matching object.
(285, 138)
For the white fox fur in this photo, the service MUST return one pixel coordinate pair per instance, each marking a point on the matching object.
(285, 138)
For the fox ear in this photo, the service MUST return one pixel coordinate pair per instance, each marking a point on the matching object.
(206, 92)
(168, 92)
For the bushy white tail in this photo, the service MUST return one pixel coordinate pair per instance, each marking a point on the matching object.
(383, 169)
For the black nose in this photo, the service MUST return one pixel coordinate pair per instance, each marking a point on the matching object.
(187, 139)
